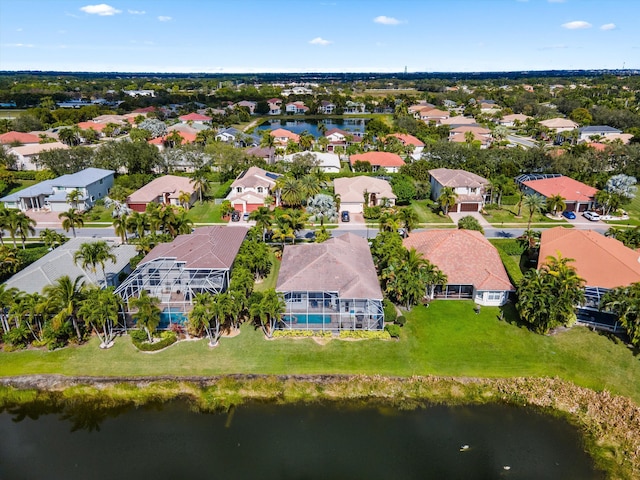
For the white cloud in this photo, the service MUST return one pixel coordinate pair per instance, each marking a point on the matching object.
(19, 45)
(384, 20)
(608, 26)
(164, 18)
(136, 12)
(576, 25)
(320, 41)
(102, 9)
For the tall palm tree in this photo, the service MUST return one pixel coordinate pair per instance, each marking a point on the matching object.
(292, 192)
(555, 203)
(204, 312)
(8, 297)
(25, 227)
(73, 197)
(263, 218)
(295, 219)
(66, 294)
(71, 220)
(51, 238)
(185, 199)
(92, 254)
(200, 180)
(408, 219)
(5, 215)
(447, 199)
(267, 307)
(533, 203)
(148, 314)
(389, 222)
(310, 185)
(100, 310)
(138, 223)
(120, 224)
(11, 224)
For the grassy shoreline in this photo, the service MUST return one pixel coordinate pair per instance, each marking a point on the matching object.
(610, 425)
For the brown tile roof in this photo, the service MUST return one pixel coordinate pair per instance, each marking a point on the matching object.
(457, 178)
(471, 128)
(352, 189)
(465, 256)
(601, 261)
(458, 120)
(21, 137)
(37, 148)
(515, 116)
(207, 247)
(342, 264)
(170, 184)
(380, 159)
(255, 177)
(407, 139)
(568, 188)
(559, 123)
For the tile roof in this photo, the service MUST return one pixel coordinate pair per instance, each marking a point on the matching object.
(471, 128)
(207, 247)
(465, 256)
(568, 188)
(255, 177)
(407, 139)
(515, 116)
(283, 133)
(457, 178)
(11, 137)
(59, 262)
(559, 123)
(351, 189)
(36, 148)
(194, 117)
(98, 127)
(171, 184)
(601, 261)
(458, 120)
(380, 159)
(341, 264)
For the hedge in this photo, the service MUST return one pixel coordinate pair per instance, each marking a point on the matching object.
(390, 313)
(301, 333)
(392, 330)
(365, 334)
(166, 339)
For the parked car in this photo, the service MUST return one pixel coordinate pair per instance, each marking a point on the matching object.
(569, 215)
(344, 216)
(245, 216)
(235, 216)
(593, 216)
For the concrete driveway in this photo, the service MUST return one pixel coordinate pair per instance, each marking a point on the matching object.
(478, 216)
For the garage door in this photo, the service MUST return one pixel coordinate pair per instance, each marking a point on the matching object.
(469, 207)
(351, 207)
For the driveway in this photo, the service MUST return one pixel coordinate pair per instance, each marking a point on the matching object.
(478, 216)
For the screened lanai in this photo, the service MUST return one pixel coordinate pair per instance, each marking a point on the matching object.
(175, 272)
(330, 286)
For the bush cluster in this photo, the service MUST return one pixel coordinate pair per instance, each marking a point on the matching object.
(301, 333)
(400, 321)
(139, 339)
(365, 334)
(390, 313)
(393, 330)
(372, 213)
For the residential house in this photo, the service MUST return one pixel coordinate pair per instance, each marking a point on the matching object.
(578, 197)
(268, 154)
(165, 190)
(18, 138)
(330, 286)
(480, 134)
(472, 265)
(250, 188)
(488, 106)
(449, 103)
(283, 136)
(251, 106)
(603, 262)
(420, 107)
(95, 126)
(352, 193)
(27, 155)
(275, 106)
(353, 108)
(458, 121)
(341, 138)
(140, 93)
(410, 140)
(298, 90)
(469, 188)
(602, 131)
(296, 108)
(388, 161)
(327, 162)
(175, 272)
(185, 138)
(326, 107)
(559, 124)
(93, 184)
(60, 261)
(434, 115)
(513, 119)
(194, 118)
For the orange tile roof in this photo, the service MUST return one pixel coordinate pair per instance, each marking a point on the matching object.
(194, 117)
(11, 137)
(379, 159)
(601, 261)
(187, 137)
(167, 184)
(568, 188)
(407, 139)
(600, 147)
(98, 127)
(281, 132)
(465, 256)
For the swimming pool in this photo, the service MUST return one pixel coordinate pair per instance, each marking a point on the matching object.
(172, 315)
(315, 318)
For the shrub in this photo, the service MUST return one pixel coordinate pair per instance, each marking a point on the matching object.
(166, 339)
(301, 333)
(365, 334)
(24, 175)
(400, 321)
(390, 313)
(393, 330)
(138, 336)
(372, 213)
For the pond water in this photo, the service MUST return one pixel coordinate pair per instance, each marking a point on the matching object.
(312, 126)
(291, 442)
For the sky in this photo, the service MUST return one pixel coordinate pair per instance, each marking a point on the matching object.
(246, 36)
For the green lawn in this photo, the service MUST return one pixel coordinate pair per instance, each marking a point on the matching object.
(21, 184)
(207, 212)
(508, 215)
(445, 339)
(633, 209)
(426, 214)
(272, 278)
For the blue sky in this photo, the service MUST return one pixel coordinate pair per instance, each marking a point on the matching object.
(318, 35)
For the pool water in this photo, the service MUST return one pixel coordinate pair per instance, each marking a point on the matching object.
(172, 315)
(316, 318)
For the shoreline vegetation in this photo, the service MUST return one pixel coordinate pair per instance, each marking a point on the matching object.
(610, 424)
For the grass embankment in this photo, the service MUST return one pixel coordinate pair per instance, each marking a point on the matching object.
(270, 280)
(633, 209)
(445, 339)
(206, 212)
(426, 214)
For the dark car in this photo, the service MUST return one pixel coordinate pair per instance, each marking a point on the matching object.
(344, 216)
(569, 215)
(235, 216)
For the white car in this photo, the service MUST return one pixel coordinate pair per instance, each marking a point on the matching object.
(593, 216)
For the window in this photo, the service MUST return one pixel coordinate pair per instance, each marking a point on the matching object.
(260, 189)
(494, 296)
(239, 189)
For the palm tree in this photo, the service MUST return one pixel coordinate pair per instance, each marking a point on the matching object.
(65, 295)
(625, 303)
(389, 222)
(555, 203)
(268, 307)
(9, 262)
(92, 254)
(205, 310)
(295, 219)
(534, 203)
(8, 297)
(11, 224)
(292, 192)
(25, 227)
(51, 238)
(72, 219)
(263, 218)
(310, 185)
(100, 311)
(120, 227)
(31, 311)
(408, 219)
(73, 197)
(185, 199)
(447, 199)
(138, 223)
(200, 180)
(5, 215)
(148, 314)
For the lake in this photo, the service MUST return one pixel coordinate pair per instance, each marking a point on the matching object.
(299, 126)
(291, 442)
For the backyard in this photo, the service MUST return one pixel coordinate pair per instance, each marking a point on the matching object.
(426, 214)
(446, 339)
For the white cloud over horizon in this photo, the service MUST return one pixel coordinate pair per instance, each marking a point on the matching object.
(320, 41)
(576, 25)
(384, 20)
(164, 18)
(136, 12)
(102, 9)
(608, 26)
